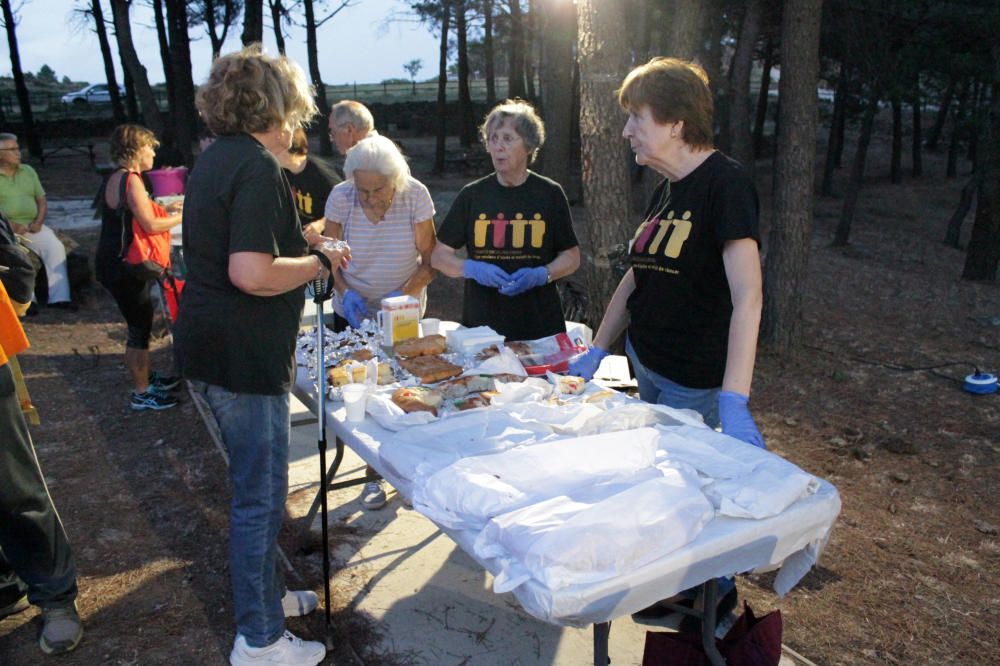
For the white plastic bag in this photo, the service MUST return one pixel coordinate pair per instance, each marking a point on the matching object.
(469, 492)
(596, 535)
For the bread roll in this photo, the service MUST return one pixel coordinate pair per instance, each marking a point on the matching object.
(417, 399)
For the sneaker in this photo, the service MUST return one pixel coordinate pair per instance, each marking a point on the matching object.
(151, 400)
(164, 382)
(288, 650)
(373, 495)
(15, 608)
(61, 629)
(299, 602)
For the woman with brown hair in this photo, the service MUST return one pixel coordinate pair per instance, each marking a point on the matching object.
(247, 262)
(125, 199)
(691, 301)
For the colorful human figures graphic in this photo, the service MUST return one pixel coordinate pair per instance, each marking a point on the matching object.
(500, 224)
(656, 229)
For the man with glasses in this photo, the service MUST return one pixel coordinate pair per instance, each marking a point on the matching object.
(22, 200)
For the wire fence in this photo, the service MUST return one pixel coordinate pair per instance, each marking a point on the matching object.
(48, 106)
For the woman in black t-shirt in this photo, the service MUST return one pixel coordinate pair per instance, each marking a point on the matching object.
(310, 180)
(691, 301)
(516, 229)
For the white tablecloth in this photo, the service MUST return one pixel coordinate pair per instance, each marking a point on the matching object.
(791, 541)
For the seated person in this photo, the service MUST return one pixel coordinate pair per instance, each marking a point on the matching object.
(22, 200)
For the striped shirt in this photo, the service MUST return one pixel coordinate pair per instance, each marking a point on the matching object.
(384, 254)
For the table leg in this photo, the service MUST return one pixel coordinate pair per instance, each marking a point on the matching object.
(710, 593)
(338, 457)
(602, 631)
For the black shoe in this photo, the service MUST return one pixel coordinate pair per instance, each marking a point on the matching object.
(32, 310)
(69, 306)
(163, 382)
(692, 625)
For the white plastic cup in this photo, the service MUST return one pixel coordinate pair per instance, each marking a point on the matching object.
(429, 326)
(355, 397)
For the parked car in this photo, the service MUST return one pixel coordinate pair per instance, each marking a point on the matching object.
(97, 93)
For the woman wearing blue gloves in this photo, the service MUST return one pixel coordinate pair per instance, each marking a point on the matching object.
(691, 301)
(516, 229)
(387, 216)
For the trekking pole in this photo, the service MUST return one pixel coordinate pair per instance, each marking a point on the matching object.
(321, 292)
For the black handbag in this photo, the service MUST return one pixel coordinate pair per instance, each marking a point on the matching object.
(19, 278)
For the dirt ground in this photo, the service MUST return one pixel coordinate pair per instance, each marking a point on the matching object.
(910, 575)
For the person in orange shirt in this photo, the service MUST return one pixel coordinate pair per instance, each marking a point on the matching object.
(36, 562)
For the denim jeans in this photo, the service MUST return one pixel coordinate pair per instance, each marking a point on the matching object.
(658, 389)
(255, 430)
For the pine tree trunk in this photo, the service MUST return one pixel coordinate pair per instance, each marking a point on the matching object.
(515, 70)
(957, 128)
(131, 104)
(603, 56)
(983, 254)
(442, 97)
(23, 98)
(836, 130)
(168, 71)
(687, 24)
(942, 115)
(312, 54)
(253, 22)
(184, 116)
(843, 233)
(918, 141)
(117, 108)
(276, 14)
(788, 253)
(467, 130)
(953, 234)
(123, 31)
(558, 35)
(896, 161)
(761, 115)
(491, 79)
(740, 140)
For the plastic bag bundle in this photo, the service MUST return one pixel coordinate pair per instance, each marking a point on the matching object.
(469, 492)
(607, 531)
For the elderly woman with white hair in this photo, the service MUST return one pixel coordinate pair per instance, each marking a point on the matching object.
(387, 217)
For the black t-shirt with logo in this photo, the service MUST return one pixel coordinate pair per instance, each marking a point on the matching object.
(512, 227)
(237, 200)
(311, 187)
(681, 306)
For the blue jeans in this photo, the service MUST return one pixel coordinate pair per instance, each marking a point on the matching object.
(255, 429)
(657, 389)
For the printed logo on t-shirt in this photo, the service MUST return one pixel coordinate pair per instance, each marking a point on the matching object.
(303, 201)
(663, 235)
(508, 236)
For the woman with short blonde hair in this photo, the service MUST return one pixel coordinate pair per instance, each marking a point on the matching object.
(247, 263)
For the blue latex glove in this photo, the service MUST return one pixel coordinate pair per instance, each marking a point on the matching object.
(736, 419)
(586, 365)
(488, 275)
(524, 279)
(355, 309)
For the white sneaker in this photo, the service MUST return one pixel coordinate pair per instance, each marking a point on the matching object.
(289, 650)
(373, 495)
(299, 602)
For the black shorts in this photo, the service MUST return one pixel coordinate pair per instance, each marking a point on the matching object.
(136, 304)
